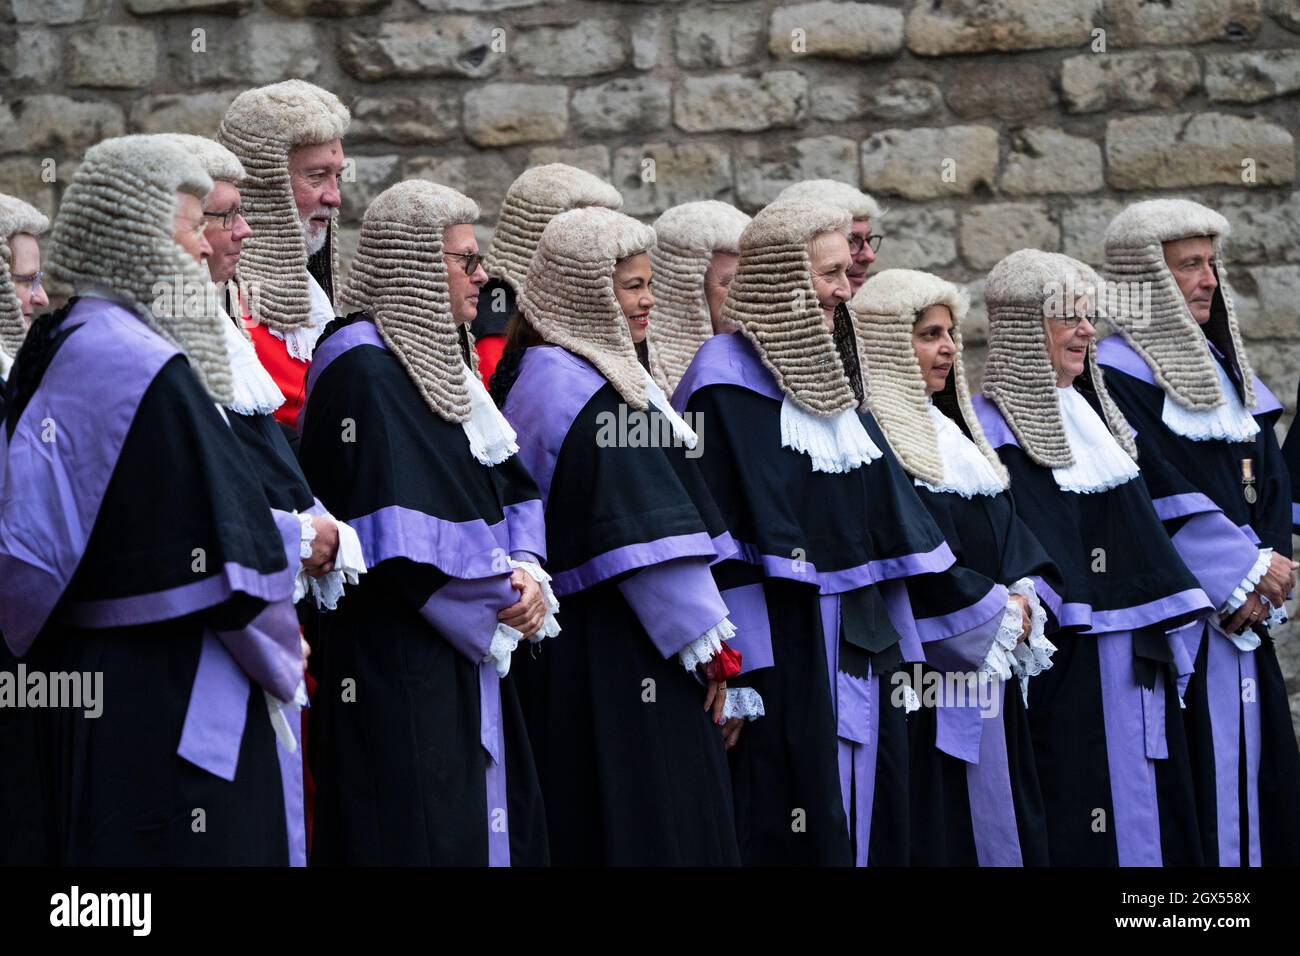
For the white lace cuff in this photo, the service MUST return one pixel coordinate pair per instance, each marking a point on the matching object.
(743, 702)
(1238, 597)
(308, 535)
(701, 650)
(300, 343)
(1033, 655)
(1000, 660)
(300, 586)
(911, 702)
(504, 641)
(349, 565)
(550, 626)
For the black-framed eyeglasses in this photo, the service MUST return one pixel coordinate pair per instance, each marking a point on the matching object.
(472, 260)
(856, 243)
(228, 217)
(31, 278)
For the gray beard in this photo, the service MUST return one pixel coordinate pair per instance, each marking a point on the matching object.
(314, 241)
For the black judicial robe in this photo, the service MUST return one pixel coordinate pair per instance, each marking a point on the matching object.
(822, 621)
(180, 588)
(420, 754)
(1111, 756)
(989, 541)
(633, 769)
(273, 463)
(1198, 491)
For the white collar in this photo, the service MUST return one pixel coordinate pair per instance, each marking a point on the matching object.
(1099, 462)
(836, 444)
(491, 439)
(1226, 422)
(6, 363)
(300, 343)
(965, 469)
(253, 390)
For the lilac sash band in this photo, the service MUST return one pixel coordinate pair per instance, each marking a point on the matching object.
(218, 707)
(1185, 644)
(965, 732)
(1234, 713)
(988, 788)
(747, 609)
(899, 609)
(1129, 713)
(56, 468)
(291, 779)
(492, 737)
(856, 703)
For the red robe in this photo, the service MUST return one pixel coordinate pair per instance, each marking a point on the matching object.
(489, 349)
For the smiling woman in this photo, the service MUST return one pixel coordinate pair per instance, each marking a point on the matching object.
(623, 708)
(1103, 745)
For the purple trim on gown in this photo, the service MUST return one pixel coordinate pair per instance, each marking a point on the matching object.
(630, 557)
(676, 602)
(747, 609)
(848, 579)
(1116, 352)
(51, 490)
(1227, 671)
(726, 359)
(50, 495)
(360, 332)
(1135, 736)
(570, 383)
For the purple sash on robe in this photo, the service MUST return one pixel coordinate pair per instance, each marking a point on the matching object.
(729, 359)
(464, 610)
(553, 388)
(53, 477)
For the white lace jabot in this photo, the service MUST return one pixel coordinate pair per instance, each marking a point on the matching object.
(836, 444)
(300, 343)
(254, 391)
(1228, 422)
(491, 439)
(1099, 463)
(965, 469)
